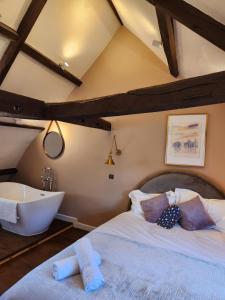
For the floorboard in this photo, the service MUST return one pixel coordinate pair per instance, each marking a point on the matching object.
(12, 243)
(14, 270)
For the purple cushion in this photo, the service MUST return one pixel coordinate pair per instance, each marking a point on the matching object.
(194, 215)
(154, 207)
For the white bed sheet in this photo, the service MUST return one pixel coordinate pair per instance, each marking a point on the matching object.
(135, 267)
(208, 244)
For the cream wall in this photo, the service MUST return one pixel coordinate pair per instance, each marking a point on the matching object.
(90, 195)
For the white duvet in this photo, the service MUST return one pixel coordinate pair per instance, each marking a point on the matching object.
(140, 261)
(207, 244)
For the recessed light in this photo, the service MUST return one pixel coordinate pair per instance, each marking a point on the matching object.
(64, 65)
(156, 43)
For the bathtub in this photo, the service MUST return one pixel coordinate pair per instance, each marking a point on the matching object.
(36, 209)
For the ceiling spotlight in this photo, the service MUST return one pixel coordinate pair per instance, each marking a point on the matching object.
(64, 65)
(156, 43)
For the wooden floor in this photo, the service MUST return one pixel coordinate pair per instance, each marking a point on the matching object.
(11, 243)
(12, 271)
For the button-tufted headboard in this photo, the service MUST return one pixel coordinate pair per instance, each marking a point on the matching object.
(169, 181)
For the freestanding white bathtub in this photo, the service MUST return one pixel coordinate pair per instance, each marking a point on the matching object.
(36, 209)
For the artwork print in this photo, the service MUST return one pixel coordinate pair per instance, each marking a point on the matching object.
(186, 136)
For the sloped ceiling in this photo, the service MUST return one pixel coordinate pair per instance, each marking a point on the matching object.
(13, 11)
(72, 31)
(196, 56)
(78, 31)
(3, 45)
(14, 142)
(140, 18)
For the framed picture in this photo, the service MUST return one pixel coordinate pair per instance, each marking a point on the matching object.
(186, 138)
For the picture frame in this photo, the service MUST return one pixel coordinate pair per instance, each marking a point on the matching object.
(186, 140)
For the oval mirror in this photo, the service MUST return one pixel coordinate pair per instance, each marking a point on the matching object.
(53, 144)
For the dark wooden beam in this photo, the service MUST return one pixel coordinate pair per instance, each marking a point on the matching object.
(4, 172)
(23, 126)
(115, 11)
(93, 123)
(8, 32)
(50, 64)
(198, 91)
(194, 19)
(168, 39)
(18, 106)
(23, 31)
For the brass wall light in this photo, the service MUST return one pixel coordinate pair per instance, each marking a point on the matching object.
(110, 161)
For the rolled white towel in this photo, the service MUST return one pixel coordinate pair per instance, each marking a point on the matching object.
(90, 272)
(69, 266)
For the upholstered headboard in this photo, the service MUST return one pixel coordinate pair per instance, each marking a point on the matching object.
(169, 181)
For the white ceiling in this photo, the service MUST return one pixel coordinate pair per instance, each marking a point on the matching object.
(12, 11)
(215, 8)
(77, 31)
(74, 31)
(3, 45)
(196, 56)
(66, 30)
(29, 78)
(140, 18)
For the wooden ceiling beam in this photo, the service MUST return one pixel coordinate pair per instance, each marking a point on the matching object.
(194, 19)
(93, 123)
(23, 31)
(18, 106)
(111, 4)
(8, 32)
(10, 171)
(192, 92)
(48, 63)
(168, 39)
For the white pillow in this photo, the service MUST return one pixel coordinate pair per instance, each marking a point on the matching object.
(183, 195)
(214, 207)
(216, 210)
(137, 196)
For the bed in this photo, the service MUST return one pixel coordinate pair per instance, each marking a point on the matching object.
(142, 260)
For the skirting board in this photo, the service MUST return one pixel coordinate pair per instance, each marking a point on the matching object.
(75, 222)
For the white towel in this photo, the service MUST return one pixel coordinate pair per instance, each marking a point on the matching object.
(90, 272)
(68, 267)
(8, 210)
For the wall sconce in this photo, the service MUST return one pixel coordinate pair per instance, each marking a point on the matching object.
(110, 161)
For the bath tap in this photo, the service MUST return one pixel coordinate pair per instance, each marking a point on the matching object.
(48, 179)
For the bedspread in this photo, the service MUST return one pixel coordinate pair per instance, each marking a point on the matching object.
(132, 270)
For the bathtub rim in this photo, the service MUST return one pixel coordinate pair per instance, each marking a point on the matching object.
(41, 197)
